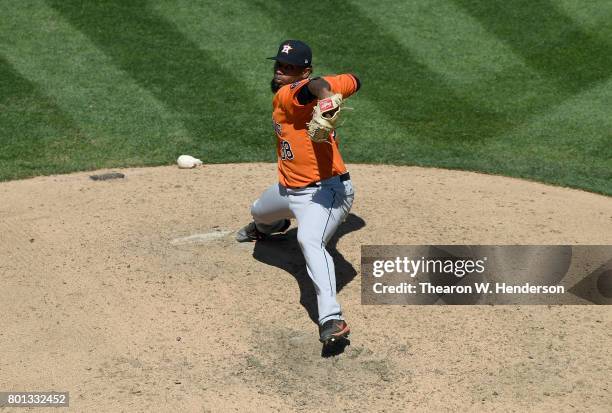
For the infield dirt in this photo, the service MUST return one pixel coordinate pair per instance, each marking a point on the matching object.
(132, 295)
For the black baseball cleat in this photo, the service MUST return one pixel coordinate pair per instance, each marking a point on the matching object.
(284, 227)
(332, 331)
(250, 232)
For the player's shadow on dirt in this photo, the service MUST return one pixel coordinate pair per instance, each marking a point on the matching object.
(284, 252)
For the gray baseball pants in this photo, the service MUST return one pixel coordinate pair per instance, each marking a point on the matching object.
(318, 211)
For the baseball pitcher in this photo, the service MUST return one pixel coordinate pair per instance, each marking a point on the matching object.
(314, 186)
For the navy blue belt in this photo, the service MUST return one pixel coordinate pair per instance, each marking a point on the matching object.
(344, 177)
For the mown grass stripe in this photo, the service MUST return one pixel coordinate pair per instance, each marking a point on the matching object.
(176, 71)
(594, 17)
(221, 32)
(239, 50)
(548, 40)
(118, 119)
(36, 136)
(475, 64)
(450, 42)
(573, 142)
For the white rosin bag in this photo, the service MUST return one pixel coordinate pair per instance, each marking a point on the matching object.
(188, 162)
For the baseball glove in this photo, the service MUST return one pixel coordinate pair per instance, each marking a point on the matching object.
(324, 118)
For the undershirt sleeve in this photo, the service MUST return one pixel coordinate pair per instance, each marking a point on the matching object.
(304, 95)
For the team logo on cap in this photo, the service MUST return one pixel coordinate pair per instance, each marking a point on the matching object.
(286, 48)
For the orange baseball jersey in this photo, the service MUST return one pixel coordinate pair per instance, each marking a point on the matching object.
(300, 160)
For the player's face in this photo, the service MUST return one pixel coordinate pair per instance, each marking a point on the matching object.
(285, 73)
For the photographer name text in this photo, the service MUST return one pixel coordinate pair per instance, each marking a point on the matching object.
(480, 288)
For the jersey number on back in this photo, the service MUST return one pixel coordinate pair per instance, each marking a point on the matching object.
(285, 150)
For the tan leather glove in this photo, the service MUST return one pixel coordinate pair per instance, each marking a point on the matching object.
(324, 118)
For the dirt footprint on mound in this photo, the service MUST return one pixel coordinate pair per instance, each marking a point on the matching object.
(265, 368)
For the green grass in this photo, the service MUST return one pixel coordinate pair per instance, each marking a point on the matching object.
(514, 88)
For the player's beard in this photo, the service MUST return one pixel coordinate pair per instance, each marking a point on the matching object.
(274, 86)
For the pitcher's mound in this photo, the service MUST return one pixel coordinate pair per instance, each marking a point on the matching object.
(132, 294)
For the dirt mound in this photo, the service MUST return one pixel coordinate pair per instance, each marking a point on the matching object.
(132, 295)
